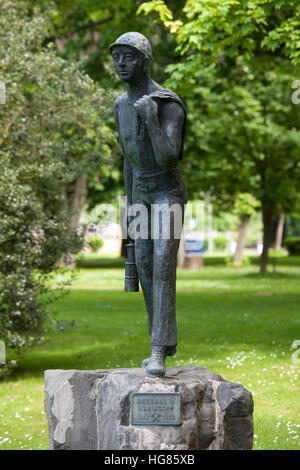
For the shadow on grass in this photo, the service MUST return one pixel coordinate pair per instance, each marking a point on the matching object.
(101, 263)
(273, 275)
(235, 274)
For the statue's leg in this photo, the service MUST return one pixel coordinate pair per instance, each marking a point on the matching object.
(164, 330)
(144, 264)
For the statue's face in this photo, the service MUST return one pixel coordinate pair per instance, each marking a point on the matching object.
(130, 64)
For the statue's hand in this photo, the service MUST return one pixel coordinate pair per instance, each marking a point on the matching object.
(146, 108)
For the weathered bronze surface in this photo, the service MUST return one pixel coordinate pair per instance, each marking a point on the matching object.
(151, 125)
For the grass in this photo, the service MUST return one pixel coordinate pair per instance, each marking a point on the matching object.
(235, 322)
(276, 259)
(210, 278)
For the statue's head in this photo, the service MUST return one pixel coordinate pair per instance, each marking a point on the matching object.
(131, 55)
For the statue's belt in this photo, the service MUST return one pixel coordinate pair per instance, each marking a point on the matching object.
(142, 174)
(151, 181)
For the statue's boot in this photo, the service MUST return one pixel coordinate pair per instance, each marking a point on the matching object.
(156, 366)
(170, 352)
(145, 362)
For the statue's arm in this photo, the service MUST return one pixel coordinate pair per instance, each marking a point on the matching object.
(127, 166)
(165, 123)
(165, 130)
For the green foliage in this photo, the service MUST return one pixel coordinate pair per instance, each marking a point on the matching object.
(159, 6)
(215, 27)
(245, 204)
(243, 133)
(51, 132)
(293, 225)
(246, 261)
(95, 243)
(239, 61)
(292, 244)
(165, 15)
(220, 243)
(224, 221)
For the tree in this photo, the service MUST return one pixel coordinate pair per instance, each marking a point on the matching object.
(51, 132)
(279, 232)
(245, 206)
(239, 61)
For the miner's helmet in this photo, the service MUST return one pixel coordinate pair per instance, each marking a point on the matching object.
(135, 40)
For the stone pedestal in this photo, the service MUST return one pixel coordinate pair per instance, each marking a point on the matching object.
(92, 410)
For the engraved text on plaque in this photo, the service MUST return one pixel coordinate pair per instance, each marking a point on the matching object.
(156, 409)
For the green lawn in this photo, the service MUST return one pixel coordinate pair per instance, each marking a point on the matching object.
(235, 322)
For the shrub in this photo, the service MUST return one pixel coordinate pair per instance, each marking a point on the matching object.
(234, 264)
(292, 244)
(220, 243)
(30, 245)
(51, 132)
(95, 243)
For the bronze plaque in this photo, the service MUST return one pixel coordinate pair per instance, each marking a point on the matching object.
(155, 409)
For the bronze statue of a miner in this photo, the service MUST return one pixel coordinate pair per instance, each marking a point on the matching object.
(151, 123)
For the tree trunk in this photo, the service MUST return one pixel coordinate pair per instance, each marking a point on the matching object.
(75, 205)
(243, 229)
(181, 253)
(267, 212)
(279, 232)
(79, 199)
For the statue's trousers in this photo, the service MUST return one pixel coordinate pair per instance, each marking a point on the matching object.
(162, 196)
